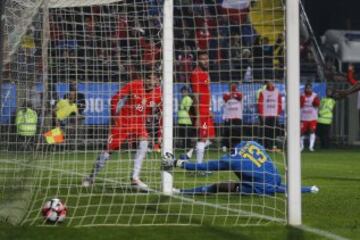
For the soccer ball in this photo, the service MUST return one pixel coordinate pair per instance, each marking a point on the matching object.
(54, 211)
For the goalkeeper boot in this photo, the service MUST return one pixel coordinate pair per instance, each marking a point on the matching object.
(314, 189)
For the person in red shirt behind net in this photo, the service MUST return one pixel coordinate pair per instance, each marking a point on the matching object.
(129, 123)
(309, 103)
(200, 84)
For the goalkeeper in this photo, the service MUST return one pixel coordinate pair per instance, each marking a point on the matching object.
(250, 163)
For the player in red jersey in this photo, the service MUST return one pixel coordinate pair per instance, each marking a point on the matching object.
(200, 84)
(129, 123)
(309, 103)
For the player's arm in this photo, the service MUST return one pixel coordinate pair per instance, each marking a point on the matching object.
(238, 96)
(213, 165)
(279, 104)
(196, 109)
(226, 97)
(316, 102)
(354, 82)
(195, 86)
(124, 91)
(261, 104)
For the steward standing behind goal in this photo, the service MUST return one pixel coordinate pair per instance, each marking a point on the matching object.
(232, 116)
(129, 123)
(325, 118)
(309, 103)
(269, 108)
(200, 84)
(185, 123)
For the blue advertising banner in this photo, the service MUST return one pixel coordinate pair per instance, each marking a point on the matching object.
(98, 96)
(8, 103)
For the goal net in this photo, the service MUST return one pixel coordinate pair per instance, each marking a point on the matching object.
(58, 51)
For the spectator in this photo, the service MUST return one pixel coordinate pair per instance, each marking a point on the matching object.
(152, 52)
(258, 56)
(246, 65)
(326, 108)
(236, 57)
(184, 65)
(279, 57)
(185, 123)
(309, 103)
(203, 36)
(269, 108)
(232, 116)
(26, 125)
(268, 54)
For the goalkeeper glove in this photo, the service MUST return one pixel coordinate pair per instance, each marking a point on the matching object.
(179, 163)
(169, 161)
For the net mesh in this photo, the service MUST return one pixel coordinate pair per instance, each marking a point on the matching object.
(96, 48)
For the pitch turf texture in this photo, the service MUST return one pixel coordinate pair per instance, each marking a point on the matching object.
(334, 210)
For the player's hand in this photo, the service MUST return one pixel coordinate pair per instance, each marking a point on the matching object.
(169, 161)
(179, 163)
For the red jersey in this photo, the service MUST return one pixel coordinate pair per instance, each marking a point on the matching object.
(200, 84)
(130, 122)
(136, 101)
(153, 100)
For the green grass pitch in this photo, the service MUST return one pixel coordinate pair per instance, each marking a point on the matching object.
(334, 210)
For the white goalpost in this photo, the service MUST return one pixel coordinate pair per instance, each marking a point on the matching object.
(293, 120)
(80, 54)
(168, 56)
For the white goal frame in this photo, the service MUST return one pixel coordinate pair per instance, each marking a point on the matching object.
(293, 99)
(293, 112)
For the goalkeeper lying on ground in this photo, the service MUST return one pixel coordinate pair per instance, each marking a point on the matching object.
(251, 164)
